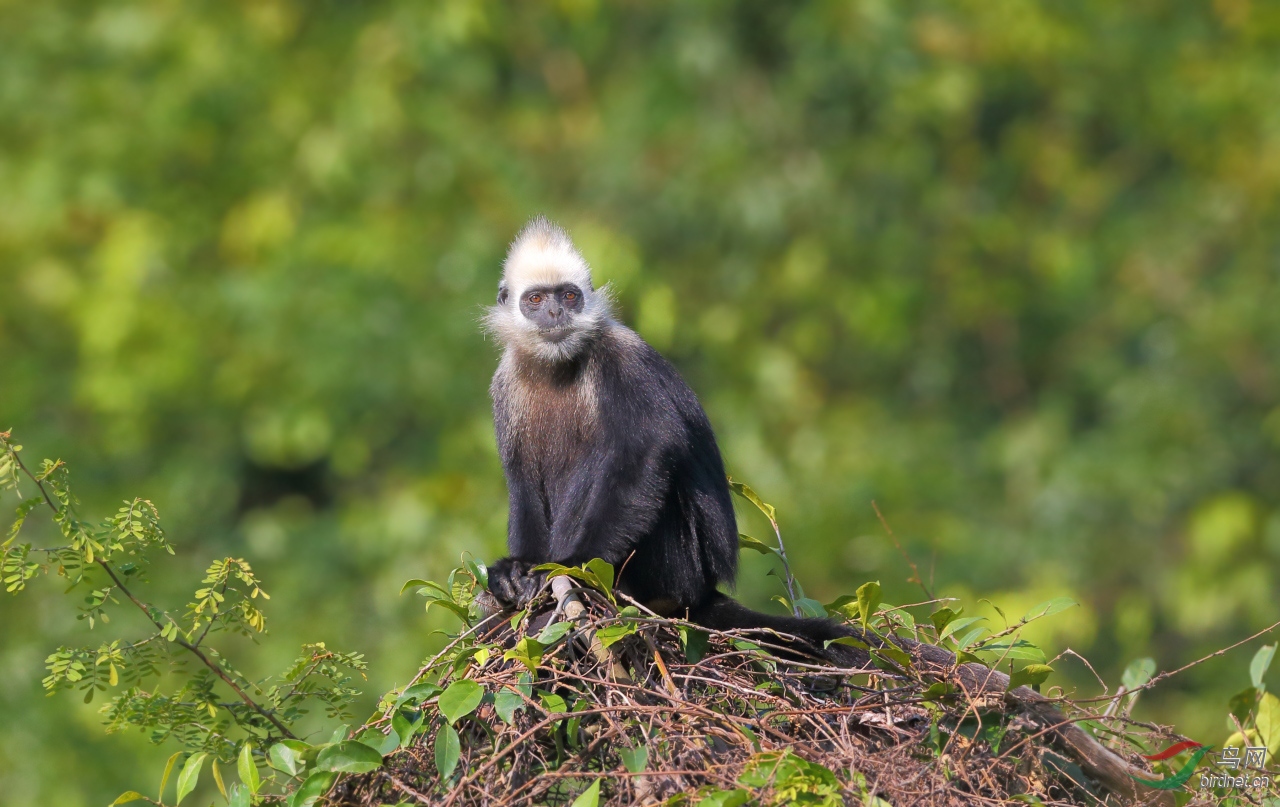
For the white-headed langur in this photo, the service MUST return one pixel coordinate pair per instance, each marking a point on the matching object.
(607, 452)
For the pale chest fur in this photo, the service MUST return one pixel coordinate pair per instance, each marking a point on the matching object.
(550, 416)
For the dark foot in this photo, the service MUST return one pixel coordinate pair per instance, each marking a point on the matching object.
(513, 582)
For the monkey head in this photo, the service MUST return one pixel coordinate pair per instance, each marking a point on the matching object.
(547, 306)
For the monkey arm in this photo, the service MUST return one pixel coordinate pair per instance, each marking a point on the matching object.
(611, 501)
(512, 579)
(610, 504)
(528, 537)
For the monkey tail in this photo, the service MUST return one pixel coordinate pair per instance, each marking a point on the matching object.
(720, 612)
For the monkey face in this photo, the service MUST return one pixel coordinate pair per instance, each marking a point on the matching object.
(552, 309)
(547, 307)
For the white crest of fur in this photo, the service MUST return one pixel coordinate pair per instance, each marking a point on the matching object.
(543, 255)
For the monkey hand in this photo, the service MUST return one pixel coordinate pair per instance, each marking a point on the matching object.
(514, 582)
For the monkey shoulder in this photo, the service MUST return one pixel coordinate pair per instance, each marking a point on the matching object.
(641, 390)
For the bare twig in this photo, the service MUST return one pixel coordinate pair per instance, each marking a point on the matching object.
(915, 572)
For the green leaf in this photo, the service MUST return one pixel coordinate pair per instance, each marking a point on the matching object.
(1049, 608)
(603, 570)
(694, 642)
(901, 617)
(584, 573)
(168, 769)
(460, 699)
(315, 786)
(349, 756)
(554, 632)
(1242, 703)
(955, 625)
(844, 605)
(479, 571)
(421, 691)
(407, 724)
(247, 769)
(969, 638)
(936, 690)
(1019, 649)
(1268, 723)
(457, 610)
(725, 798)
(614, 633)
(1032, 675)
(811, 608)
(506, 703)
(1138, 673)
(1261, 661)
(590, 797)
(635, 759)
(126, 797)
(383, 743)
(895, 654)
(448, 749)
(240, 796)
(217, 777)
(528, 652)
(942, 617)
(992, 734)
(553, 703)
(289, 756)
(190, 775)
(747, 542)
(414, 584)
(868, 599)
(750, 495)
(556, 569)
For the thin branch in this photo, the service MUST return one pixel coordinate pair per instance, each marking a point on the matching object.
(1170, 673)
(915, 572)
(215, 668)
(789, 580)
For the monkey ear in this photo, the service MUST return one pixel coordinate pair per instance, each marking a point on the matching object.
(502, 293)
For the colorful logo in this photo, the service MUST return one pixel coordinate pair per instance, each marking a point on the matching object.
(1180, 778)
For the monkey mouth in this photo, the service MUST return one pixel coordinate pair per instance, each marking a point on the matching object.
(556, 335)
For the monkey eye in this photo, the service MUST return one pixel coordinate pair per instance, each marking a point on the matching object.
(535, 298)
(570, 296)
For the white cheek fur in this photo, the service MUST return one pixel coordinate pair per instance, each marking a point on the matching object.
(514, 330)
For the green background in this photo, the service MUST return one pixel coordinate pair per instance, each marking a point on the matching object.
(1009, 268)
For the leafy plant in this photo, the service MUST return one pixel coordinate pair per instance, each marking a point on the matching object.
(502, 684)
(1255, 711)
(216, 713)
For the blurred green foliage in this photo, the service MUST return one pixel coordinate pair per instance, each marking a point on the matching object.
(1011, 268)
